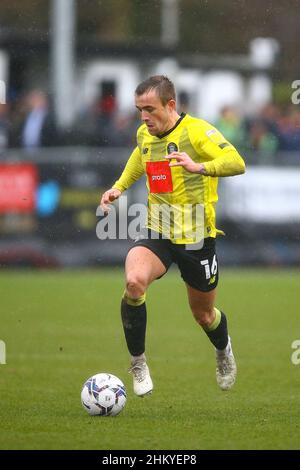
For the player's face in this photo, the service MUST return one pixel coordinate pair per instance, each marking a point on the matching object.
(156, 116)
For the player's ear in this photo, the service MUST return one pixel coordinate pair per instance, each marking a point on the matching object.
(171, 105)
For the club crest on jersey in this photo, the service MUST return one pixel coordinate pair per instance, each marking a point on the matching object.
(172, 147)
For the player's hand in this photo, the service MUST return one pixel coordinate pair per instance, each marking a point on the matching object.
(108, 197)
(183, 159)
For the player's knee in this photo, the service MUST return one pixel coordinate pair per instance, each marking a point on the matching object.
(135, 285)
(204, 318)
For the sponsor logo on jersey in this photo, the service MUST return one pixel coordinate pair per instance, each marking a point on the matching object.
(217, 138)
(211, 132)
(145, 150)
(158, 177)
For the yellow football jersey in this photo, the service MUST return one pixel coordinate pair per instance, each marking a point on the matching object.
(181, 205)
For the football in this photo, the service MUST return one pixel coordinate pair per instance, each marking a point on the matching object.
(103, 395)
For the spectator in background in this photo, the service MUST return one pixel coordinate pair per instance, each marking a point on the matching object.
(105, 111)
(98, 125)
(261, 139)
(231, 126)
(270, 115)
(289, 131)
(37, 128)
(126, 127)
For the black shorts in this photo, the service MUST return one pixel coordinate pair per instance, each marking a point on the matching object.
(198, 268)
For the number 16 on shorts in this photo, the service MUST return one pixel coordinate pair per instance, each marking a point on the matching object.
(212, 270)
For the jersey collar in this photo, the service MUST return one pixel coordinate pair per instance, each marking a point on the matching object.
(160, 136)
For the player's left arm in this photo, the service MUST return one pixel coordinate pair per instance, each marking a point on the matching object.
(219, 157)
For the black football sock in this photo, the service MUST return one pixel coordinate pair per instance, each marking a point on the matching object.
(134, 319)
(217, 332)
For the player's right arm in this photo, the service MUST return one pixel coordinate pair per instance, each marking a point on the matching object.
(132, 172)
(108, 197)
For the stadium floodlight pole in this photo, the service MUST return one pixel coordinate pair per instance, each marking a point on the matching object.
(3, 75)
(63, 60)
(169, 23)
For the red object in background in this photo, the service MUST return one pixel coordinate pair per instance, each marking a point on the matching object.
(107, 104)
(18, 184)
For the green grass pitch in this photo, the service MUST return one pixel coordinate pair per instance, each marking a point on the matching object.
(62, 327)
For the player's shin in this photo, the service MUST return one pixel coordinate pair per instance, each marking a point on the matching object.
(217, 332)
(134, 319)
(226, 369)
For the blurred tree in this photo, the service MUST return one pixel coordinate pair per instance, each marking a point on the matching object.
(105, 19)
(25, 15)
(145, 20)
(219, 26)
(206, 26)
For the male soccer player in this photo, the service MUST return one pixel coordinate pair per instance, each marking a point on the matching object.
(182, 158)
